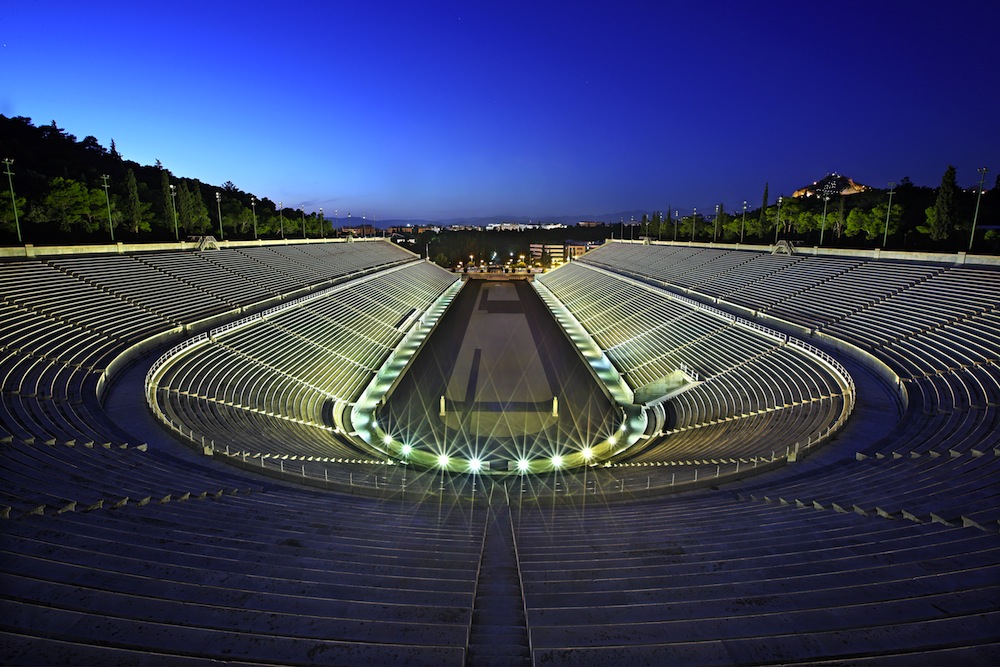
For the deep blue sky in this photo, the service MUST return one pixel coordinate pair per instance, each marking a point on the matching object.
(450, 109)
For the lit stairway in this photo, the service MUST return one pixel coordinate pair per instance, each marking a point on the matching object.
(499, 635)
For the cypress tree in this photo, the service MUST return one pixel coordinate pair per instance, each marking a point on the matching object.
(763, 209)
(167, 205)
(941, 217)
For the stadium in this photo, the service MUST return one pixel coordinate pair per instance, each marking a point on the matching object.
(335, 452)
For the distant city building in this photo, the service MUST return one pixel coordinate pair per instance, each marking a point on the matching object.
(589, 223)
(508, 227)
(576, 248)
(831, 184)
(358, 230)
(554, 252)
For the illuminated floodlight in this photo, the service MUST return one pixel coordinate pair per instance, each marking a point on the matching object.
(443, 460)
(475, 465)
(612, 440)
(522, 465)
(407, 449)
(557, 461)
(387, 440)
(588, 453)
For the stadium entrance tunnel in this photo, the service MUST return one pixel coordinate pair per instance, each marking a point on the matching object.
(497, 388)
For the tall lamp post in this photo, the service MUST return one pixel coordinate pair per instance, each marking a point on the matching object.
(13, 200)
(218, 207)
(715, 233)
(822, 228)
(777, 223)
(253, 207)
(173, 209)
(303, 210)
(322, 223)
(975, 218)
(694, 221)
(885, 235)
(743, 224)
(281, 218)
(107, 196)
(677, 223)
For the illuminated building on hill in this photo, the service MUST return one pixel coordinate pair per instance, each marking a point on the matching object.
(831, 184)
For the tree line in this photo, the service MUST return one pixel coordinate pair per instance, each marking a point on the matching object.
(76, 191)
(918, 218)
(64, 190)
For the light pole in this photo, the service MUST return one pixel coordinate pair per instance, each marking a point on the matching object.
(694, 221)
(975, 217)
(253, 207)
(715, 232)
(322, 223)
(281, 218)
(743, 224)
(107, 196)
(303, 209)
(173, 208)
(677, 216)
(777, 224)
(13, 201)
(885, 235)
(218, 207)
(822, 228)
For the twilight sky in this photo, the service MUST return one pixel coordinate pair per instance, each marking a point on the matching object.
(451, 109)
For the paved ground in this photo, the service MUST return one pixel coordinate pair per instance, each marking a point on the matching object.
(498, 358)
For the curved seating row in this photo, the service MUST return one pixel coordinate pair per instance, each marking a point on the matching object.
(887, 557)
(283, 371)
(744, 373)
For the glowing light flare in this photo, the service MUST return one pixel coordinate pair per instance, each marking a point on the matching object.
(557, 461)
(443, 460)
(522, 465)
(475, 465)
(406, 449)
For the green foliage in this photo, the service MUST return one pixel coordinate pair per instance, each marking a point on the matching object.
(871, 222)
(71, 204)
(7, 221)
